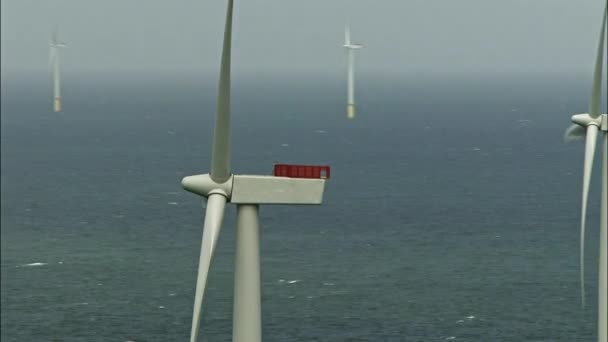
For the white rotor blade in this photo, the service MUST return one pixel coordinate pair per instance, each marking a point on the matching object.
(589, 154)
(574, 132)
(220, 158)
(595, 100)
(51, 55)
(347, 35)
(211, 229)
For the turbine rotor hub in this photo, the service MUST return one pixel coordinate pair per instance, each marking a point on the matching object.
(586, 120)
(204, 186)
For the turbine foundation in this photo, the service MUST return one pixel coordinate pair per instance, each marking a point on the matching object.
(350, 111)
(57, 104)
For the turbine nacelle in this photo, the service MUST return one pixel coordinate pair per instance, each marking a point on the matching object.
(586, 120)
(256, 189)
(352, 46)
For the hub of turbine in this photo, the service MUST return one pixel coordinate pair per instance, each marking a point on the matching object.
(204, 186)
(586, 120)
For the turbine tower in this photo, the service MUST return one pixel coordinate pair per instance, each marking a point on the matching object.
(55, 45)
(350, 50)
(588, 125)
(291, 184)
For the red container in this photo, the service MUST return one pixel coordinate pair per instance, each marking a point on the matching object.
(301, 171)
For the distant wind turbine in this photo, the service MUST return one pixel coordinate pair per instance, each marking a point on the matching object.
(55, 45)
(220, 186)
(588, 125)
(350, 47)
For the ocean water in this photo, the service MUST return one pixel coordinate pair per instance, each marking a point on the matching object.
(451, 215)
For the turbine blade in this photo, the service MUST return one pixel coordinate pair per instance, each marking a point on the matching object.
(51, 55)
(211, 229)
(574, 132)
(220, 158)
(589, 154)
(347, 35)
(595, 100)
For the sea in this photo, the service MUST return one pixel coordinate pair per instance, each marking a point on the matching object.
(452, 212)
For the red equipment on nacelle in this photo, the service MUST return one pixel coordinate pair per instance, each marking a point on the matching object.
(301, 171)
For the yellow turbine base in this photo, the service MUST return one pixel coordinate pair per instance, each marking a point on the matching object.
(350, 111)
(57, 104)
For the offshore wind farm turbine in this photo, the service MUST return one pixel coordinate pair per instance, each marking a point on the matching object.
(350, 60)
(588, 125)
(55, 45)
(220, 187)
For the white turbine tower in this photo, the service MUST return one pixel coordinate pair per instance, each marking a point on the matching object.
(55, 45)
(220, 186)
(350, 50)
(588, 124)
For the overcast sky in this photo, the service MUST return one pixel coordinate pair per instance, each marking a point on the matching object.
(305, 35)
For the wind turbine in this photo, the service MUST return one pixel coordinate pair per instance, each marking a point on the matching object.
(220, 186)
(588, 124)
(55, 45)
(350, 50)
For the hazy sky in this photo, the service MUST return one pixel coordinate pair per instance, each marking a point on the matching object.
(305, 35)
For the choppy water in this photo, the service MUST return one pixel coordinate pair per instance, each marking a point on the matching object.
(452, 212)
